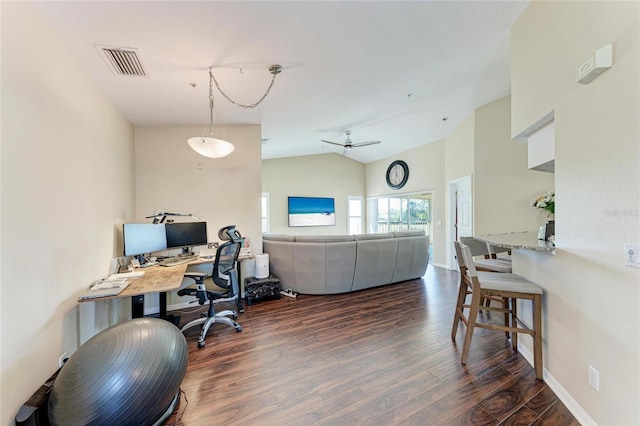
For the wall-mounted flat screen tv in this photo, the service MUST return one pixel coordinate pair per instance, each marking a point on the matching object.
(311, 211)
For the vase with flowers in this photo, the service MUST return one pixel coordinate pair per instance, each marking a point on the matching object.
(547, 203)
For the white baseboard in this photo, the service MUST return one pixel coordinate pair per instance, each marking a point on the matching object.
(578, 412)
(183, 305)
(156, 310)
(440, 265)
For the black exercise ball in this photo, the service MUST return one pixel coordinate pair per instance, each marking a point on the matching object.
(128, 374)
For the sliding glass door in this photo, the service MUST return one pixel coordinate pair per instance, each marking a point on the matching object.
(400, 213)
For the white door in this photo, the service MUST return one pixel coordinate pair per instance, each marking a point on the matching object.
(464, 219)
(461, 215)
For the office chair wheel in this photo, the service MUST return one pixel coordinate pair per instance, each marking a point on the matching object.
(239, 328)
(200, 345)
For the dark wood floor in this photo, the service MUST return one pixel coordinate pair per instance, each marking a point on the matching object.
(382, 356)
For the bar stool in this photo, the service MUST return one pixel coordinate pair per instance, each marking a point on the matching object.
(495, 252)
(506, 286)
(489, 263)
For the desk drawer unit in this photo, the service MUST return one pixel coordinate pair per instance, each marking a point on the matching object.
(262, 288)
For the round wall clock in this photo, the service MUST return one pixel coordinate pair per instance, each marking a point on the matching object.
(397, 174)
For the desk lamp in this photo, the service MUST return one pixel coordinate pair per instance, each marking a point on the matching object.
(159, 216)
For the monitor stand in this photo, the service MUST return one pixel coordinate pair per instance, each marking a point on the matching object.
(144, 263)
(186, 251)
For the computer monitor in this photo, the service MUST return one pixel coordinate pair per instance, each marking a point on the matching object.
(186, 234)
(142, 238)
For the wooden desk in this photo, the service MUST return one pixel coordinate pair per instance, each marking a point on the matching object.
(156, 279)
(159, 279)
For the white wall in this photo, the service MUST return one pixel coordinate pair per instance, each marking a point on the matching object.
(327, 175)
(226, 191)
(67, 180)
(503, 187)
(591, 308)
(460, 150)
(426, 173)
(459, 162)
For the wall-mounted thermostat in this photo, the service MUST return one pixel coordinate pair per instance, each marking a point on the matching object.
(598, 63)
(632, 252)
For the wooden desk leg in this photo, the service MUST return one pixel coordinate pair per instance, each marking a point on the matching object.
(174, 319)
(137, 306)
(163, 304)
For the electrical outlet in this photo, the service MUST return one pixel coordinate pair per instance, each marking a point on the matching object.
(632, 253)
(62, 359)
(594, 378)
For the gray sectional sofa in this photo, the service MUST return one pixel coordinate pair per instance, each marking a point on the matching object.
(330, 264)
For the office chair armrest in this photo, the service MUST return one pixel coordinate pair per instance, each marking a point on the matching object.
(201, 291)
(194, 275)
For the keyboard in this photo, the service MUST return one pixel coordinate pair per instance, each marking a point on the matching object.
(177, 260)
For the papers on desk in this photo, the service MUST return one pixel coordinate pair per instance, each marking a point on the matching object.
(133, 274)
(105, 288)
(110, 283)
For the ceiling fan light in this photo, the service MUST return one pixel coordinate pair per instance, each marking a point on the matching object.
(211, 147)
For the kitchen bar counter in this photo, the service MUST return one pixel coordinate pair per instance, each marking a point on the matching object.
(518, 241)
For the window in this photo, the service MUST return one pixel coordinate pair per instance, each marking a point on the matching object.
(404, 213)
(354, 213)
(265, 212)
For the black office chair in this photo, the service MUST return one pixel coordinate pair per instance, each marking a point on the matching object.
(225, 276)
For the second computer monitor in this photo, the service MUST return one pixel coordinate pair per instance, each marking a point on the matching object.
(186, 234)
(142, 238)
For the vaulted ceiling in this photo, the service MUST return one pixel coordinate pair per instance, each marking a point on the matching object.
(405, 73)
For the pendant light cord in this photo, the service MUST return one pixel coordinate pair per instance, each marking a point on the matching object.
(273, 69)
(211, 79)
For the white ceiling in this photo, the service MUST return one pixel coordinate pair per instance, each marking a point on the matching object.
(387, 70)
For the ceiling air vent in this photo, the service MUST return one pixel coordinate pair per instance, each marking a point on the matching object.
(122, 60)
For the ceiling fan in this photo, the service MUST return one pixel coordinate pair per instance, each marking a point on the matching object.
(348, 144)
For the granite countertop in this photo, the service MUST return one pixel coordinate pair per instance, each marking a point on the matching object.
(518, 240)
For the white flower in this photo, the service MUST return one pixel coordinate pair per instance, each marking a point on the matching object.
(545, 202)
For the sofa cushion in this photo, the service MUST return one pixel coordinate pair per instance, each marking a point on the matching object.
(402, 234)
(281, 261)
(341, 266)
(412, 258)
(310, 267)
(278, 237)
(375, 262)
(362, 237)
(323, 238)
(324, 268)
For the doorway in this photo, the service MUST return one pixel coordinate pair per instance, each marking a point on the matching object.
(460, 214)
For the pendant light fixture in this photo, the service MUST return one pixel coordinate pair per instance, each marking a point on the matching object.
(208, 146)
(211, 147)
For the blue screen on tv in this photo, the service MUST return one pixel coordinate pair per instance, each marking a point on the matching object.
(311, 211)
